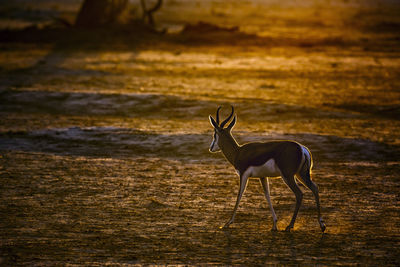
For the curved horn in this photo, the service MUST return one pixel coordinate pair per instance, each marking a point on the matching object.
(218, 114)
(233, 122)
(227, 119)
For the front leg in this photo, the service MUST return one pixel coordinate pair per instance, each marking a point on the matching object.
(242, 188)
(265, 185)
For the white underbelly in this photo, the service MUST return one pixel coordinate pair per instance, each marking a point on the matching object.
(268, 169)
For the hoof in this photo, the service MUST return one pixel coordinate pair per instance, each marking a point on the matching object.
(225, 226)
(274, 229)
(322, 224)
(323, 227)
(288, 228)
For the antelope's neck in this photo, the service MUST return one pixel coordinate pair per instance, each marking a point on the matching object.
(230, 148)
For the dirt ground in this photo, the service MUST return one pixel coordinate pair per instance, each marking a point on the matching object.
(104, 148)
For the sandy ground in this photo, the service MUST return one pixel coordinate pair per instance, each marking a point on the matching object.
(104, 152)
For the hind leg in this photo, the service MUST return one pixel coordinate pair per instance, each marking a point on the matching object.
(290, 181)
(306, 179)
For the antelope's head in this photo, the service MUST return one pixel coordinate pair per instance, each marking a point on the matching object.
(221, 133)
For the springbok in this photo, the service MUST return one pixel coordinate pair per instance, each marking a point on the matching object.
(265, 160)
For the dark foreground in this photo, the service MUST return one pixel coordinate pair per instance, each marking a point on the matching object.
(70, 207)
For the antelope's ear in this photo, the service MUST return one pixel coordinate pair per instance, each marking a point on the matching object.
(232, 124)
(213, 123)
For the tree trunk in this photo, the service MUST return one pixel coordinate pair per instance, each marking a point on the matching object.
(94, 13)
(148, 13)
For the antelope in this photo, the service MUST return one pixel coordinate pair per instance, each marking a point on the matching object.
(265, 160)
